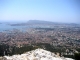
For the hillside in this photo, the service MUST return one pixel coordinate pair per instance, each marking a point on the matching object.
(38, 54)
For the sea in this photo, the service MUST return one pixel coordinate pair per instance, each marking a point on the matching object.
(7, 27)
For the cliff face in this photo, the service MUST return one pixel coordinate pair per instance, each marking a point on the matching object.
(38, 54)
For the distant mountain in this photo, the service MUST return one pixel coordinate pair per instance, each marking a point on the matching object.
(39, 22)
(38, 54)
(33, 22)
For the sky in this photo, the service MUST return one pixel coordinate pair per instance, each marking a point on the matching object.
(47, 10)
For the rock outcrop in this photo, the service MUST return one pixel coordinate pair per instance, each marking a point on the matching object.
(38, 54)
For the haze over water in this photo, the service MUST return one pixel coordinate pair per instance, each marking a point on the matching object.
(7, 27)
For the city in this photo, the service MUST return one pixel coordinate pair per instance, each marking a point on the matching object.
(59, 38)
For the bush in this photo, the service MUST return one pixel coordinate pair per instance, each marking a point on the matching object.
(77, 56)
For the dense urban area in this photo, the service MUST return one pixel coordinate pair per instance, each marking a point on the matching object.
(58, 38)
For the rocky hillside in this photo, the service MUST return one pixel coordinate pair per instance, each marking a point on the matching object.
(38, 54)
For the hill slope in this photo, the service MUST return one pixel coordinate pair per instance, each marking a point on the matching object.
(38, 54)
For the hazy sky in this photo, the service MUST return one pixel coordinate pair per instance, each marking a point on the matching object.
(50, 10)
